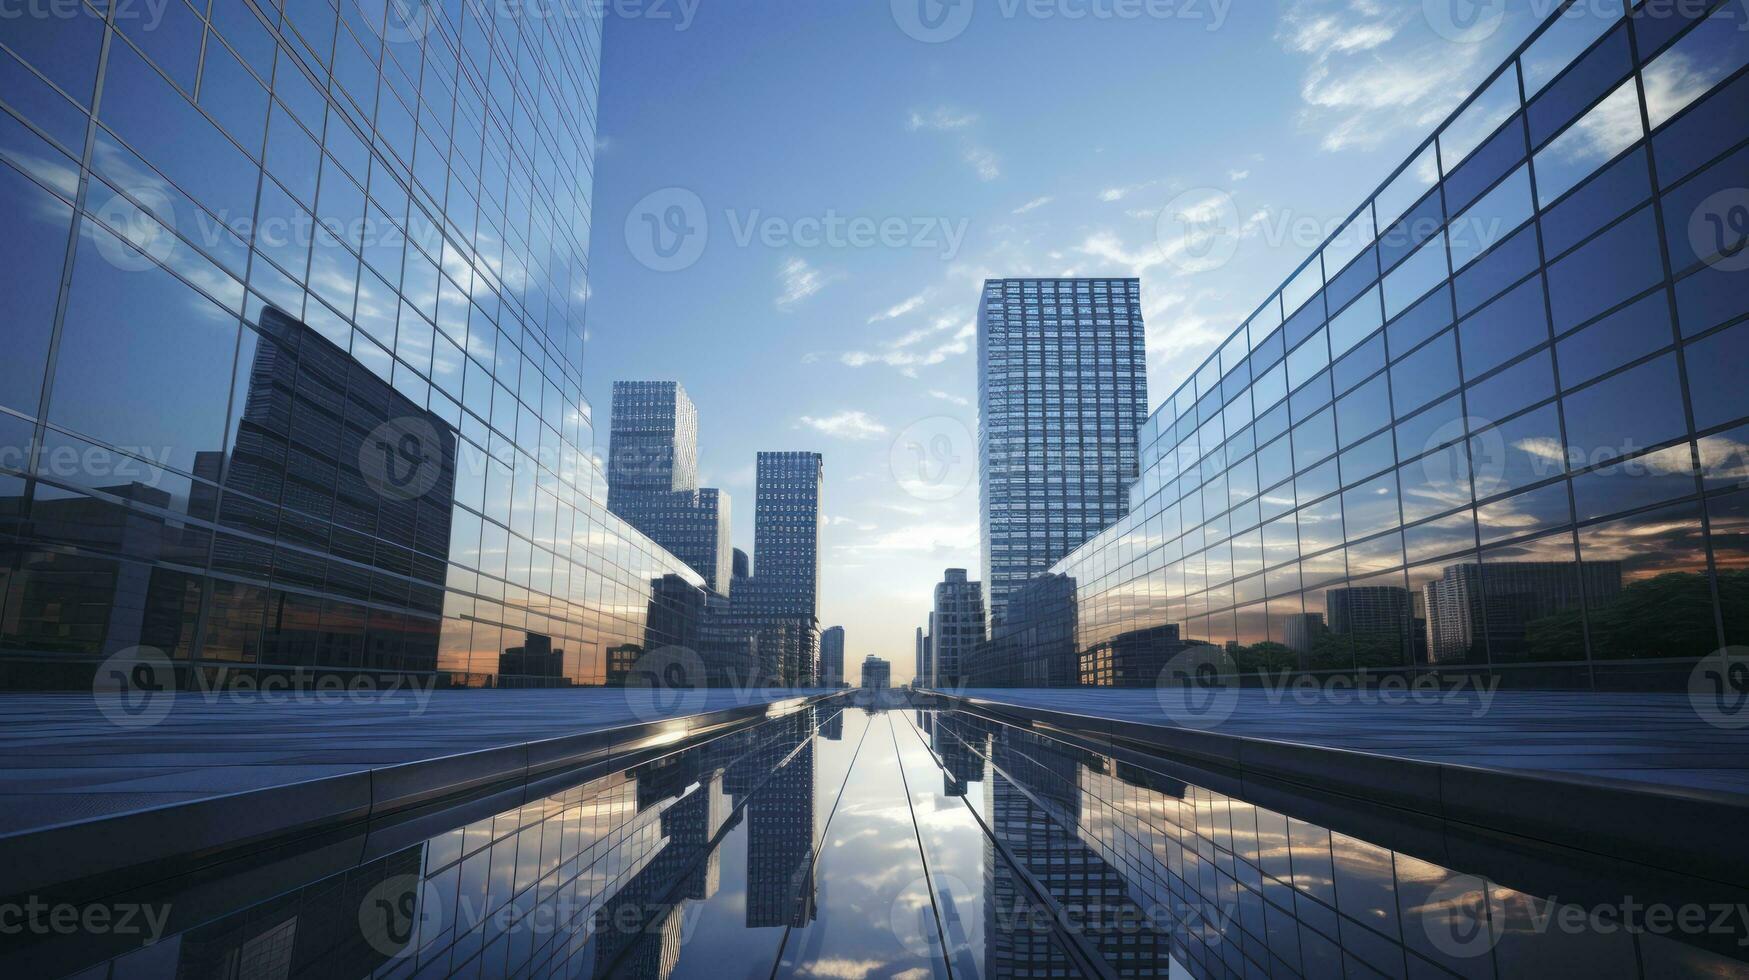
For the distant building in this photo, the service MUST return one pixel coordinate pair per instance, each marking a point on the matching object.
(1063, 386)
(877, 674)
(832, 657)
(1471, 608)
(921, 676)
(652, 477)
(781, 600)
(742, 567)
(956, 627)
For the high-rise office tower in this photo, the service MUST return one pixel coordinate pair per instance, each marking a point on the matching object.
(781, 601)
(652, 478)
(832, 657)
(653, 441)
(877, 674)
(1062, 387)
(956, 626)
(365, 425)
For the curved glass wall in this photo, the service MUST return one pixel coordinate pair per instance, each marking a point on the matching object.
(1498, 421)
(294, 331)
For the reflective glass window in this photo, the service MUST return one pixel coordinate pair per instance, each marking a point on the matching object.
(1625, 335)
(1626, 412)
(1647, 592)
(1715, 376)
(33, 251)
(1607, 270)
(1610, 127)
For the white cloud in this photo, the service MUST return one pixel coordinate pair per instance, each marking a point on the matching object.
(800, 280)
(1037, 202)
(901, 353)
(1375, 69)
(1111, 194)
(848, 424)
(1237, 175)
(950, 398)
(940, 119)
(899, 309)
(983, 162)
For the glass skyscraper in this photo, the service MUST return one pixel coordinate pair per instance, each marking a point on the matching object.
(294, 333)
(1498, 422)
(652, 478)
(1063, 386)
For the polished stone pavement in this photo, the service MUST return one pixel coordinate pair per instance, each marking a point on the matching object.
(1641, 737)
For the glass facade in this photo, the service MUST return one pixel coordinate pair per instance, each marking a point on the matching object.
(956, 626)
(294, 331)
(1497, 422)
(1063, 385)
(652, 478)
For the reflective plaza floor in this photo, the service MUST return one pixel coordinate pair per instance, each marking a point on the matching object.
(901, 842)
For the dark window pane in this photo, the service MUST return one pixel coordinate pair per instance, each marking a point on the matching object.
(33, 251)
(1729, 519)
(144, 360)
(1710, 297)
(1709, 129)
(1628, 412)
(1698, 222)
(1622, 186)
(1426, 374)
(64, 48)
(1427, 318)
(1607, 270)
(1365, 410)
(1509, 326)
(1487, 277)
(1529, 381)
(1715, 377)
(1501, 153)
(1360, 363)
(1623, 336)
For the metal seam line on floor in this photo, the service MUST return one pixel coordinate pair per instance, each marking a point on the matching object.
(1075, 946)
(824, 829)
(922, 852)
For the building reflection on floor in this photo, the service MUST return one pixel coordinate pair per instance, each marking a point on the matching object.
(713, 861)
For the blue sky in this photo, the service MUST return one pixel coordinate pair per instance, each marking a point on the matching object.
(846, 187)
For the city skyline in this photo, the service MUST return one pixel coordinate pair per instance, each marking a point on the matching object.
(873, 347)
